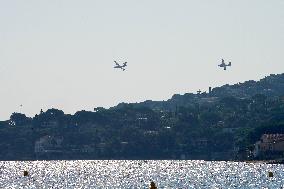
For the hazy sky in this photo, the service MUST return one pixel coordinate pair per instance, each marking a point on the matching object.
(59, 54)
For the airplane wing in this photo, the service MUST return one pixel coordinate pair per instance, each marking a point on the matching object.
(116, 63)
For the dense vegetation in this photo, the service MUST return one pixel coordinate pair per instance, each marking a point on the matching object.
(221, 125)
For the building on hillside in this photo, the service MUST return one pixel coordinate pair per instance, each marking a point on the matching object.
(208, 100)
(48, 144)
(88, 149)
(269, 143)
(282, 99)
(49, 124)
(200, 142)
(151, 133)
(229, 129)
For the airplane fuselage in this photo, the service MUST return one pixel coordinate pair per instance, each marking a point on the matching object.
(121, 67)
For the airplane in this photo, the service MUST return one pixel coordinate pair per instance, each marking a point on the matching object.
(223, 65)
(120, 66)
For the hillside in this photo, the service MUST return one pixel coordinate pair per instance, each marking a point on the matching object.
(221, 125)
(271, 86)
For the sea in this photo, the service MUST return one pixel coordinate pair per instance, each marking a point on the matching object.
(139, 174)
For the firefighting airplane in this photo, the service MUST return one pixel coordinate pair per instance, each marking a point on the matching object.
(223, 65)
(117, 65)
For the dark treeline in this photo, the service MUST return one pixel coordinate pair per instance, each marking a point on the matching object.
(191, 126)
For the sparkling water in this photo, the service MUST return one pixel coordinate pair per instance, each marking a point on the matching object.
(139, 174)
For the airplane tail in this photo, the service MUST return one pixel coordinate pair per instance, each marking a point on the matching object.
(229, 64)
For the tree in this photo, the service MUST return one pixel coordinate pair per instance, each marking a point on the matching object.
(19, 119)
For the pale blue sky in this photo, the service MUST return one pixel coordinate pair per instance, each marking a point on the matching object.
(59, 54)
